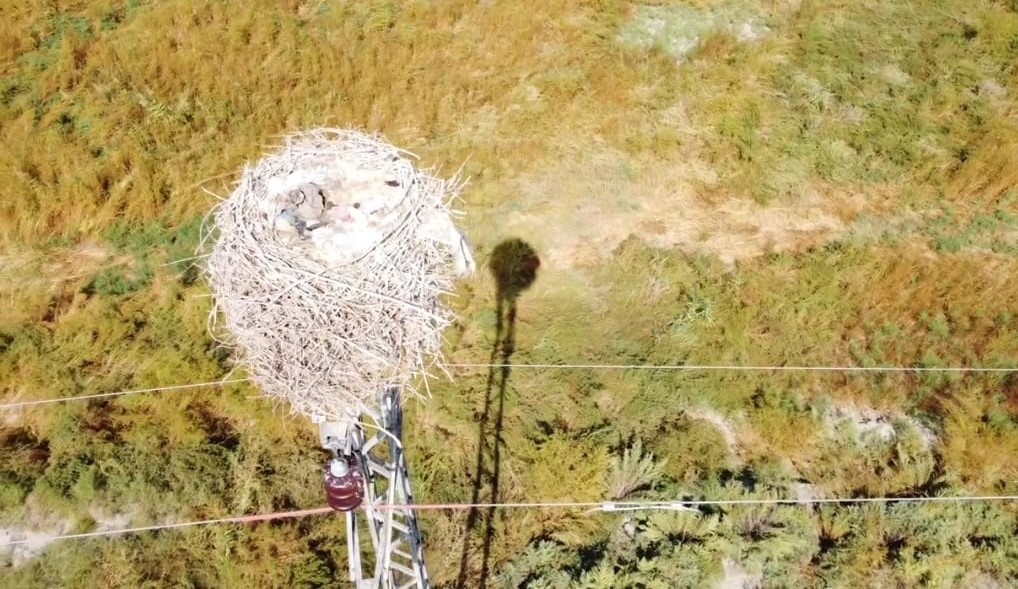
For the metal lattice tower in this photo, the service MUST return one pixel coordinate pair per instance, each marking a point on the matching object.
(395, 539)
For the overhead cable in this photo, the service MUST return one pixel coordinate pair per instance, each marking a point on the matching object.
(590, 506)
(176, 387)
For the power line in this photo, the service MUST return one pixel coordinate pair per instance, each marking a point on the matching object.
(205, 522)
(611, 506)
(669, 367)
(592, 506)
(737, 367)
(177, 387)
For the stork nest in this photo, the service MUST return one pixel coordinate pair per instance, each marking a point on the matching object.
(319, 324)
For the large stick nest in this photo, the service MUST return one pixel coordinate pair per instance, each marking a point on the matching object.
(328, 266)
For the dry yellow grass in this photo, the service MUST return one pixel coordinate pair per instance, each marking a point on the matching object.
(856, 162)
(119, 125)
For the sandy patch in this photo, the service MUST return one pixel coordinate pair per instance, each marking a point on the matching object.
(723, 425)
(579, 211)
(107, 522)
(807, 492)
(980, 580)
(873, 426)
(679, 30)
(33, 269)
(11, 417)
(736, 577)
(75, 263)
(33, 543)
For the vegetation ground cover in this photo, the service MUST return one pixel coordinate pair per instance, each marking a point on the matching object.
(837, 188)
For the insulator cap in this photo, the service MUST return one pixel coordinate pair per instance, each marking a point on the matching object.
(339, 468)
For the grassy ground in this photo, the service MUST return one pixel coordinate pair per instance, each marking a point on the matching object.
(836, 186)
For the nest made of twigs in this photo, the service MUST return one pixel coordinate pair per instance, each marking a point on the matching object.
(323, 316)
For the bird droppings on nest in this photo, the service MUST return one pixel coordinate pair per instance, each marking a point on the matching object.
(328, 265)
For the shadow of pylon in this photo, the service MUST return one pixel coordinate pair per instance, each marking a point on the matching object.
(514, 265)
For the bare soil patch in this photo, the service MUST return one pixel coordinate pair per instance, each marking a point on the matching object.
(579, 211)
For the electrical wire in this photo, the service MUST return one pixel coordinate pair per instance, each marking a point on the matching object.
(610, 506)
(177, 387)
(591, 506)
(205, 522)
(743, 368)
(686, 367)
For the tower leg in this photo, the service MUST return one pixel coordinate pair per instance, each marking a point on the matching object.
(394, 533)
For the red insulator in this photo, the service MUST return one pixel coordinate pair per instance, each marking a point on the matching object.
(344, 484)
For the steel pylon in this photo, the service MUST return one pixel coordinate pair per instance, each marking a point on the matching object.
(373, 444)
